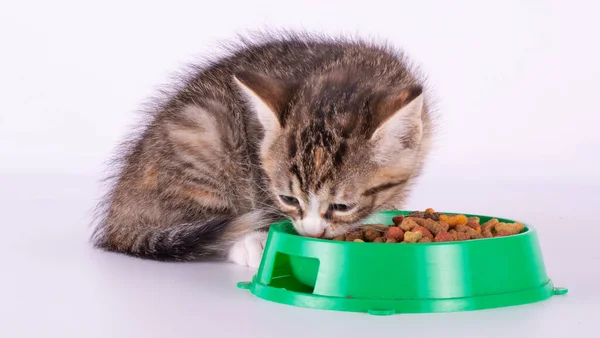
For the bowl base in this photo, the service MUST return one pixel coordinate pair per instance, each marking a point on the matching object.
(400, 306)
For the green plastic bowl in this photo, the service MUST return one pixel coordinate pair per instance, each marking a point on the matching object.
(384, 278)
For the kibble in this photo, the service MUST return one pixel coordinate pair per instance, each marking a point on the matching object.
(412, 237)
(454, 220)
(489, 225)
(416, 214)
(355, 234)
(510, 228)
(472, 224)
(424, 232)
(371, 234)
(407, 224)
(443, 237)
(462, 236)
(473, 234)
(488, 228)
(502, 233)
(431, 226)
(398, 220)
(459, 236)
(432, 215)
(396, 233)
(461, 228)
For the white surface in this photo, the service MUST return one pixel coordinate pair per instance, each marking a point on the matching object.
(517, 84)
(55, 285)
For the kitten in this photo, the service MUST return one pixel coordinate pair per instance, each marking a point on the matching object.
(319, 130)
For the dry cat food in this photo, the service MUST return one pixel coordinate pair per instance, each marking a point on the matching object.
(430, 226)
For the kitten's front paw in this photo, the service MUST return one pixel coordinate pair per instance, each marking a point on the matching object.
(248, 250)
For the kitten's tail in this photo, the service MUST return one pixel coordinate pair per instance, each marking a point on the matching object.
(181, 242)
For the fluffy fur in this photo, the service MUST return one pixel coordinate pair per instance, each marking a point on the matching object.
(324, 131)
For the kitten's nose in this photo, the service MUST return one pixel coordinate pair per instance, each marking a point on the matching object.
(313, 227)
(316, 234)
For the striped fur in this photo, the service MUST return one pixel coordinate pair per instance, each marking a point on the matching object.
(329, 122)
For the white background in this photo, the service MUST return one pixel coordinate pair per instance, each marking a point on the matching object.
(517, 89)
(516, 81)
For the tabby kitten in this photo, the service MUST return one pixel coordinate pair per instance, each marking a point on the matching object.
(322, 131)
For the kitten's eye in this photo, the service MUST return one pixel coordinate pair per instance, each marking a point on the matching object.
(340, 207)
(289, 200)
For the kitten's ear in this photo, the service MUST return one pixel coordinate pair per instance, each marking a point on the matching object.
(400, 125)
(267, 97)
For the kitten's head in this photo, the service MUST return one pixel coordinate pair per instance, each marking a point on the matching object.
(336, 148)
